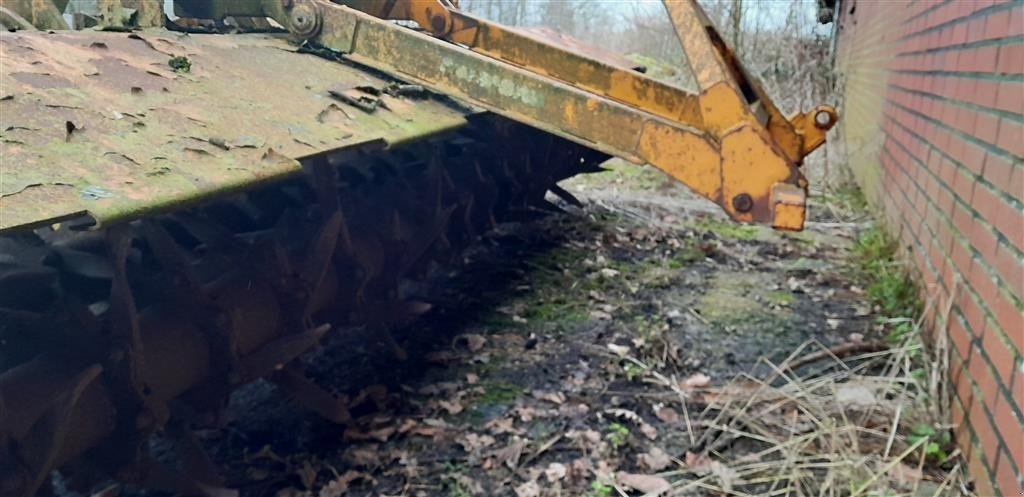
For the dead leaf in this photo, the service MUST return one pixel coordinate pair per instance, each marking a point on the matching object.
(501, 426)
(511, 454)
(649, 431)
(654, 460)
(554, 472)
(696, 381)
(618, 350)
(472, 442)
(553, 397)
(528, 489)
(368, 456)
(905, 474)
(648, 484)
(694, 460)
(856, 394)
(526, 414)
(338, 487)
(667, 415)
(307, 475)
(453, 407)
(381, 435)
(471, 341)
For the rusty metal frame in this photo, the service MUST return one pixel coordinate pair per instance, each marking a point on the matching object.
(735, 149)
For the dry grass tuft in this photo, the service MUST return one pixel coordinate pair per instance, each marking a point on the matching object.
(867, 425)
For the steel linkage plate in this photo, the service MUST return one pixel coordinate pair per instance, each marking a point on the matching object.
(119, 125)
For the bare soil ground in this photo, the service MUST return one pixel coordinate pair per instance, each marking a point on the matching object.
(630, 347)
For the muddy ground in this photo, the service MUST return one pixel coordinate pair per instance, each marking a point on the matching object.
(536, 372)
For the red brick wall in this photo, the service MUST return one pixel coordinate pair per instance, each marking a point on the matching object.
(932, 125)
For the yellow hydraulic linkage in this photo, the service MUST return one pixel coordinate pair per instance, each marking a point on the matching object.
(728, 143)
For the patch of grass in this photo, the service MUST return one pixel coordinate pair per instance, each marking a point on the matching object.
(620, 172)
(180, 64)
(598, 489)
(617, 435)
(499, 392)
(888, 284)
(453, 487)
(847, 197)
(727, 229)
(779, 297)
(685, 256)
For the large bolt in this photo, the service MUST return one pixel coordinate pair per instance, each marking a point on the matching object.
(438, 24)
(742, 203)
(305, 20)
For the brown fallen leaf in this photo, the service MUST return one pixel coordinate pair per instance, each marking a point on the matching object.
(307, 475)
(649, 431)
(906, 474)
(654, 460)
(471, 341)
(453, 407)
(528, 489)
(367, 456)
(553, 397)
(667, 415)
(555, 471)
(648, 484)
(695, 381)
(381, 434)
(511, 454)
(338, 487)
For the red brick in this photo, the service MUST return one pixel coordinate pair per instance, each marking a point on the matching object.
(985, 93)
(984, 59)
(973, 158)
(976, 29)
(1011, 137)
(981, 478)
(962, 341)
(997, 25)
(1017, 390)
(1010, 221)
(1006, 478)
(1010, 268)
(986, 432)
(1016, 187)
(1000, 354)
(985, 202)
(961, 430)
(1007, 315)
(983, 239)
(986, 127)
(963, 186)
(998, 170)
(972, 313)
(1011, 60)
(1010, 97)
(982, 283)
(1016, 22)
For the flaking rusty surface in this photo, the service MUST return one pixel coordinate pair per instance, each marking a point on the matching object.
(100, 122)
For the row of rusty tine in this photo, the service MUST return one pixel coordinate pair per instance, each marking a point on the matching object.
(207, 299)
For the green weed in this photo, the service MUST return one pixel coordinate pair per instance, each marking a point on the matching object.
(889, 286)
(598, 489)
(727, 229)
(617, 435)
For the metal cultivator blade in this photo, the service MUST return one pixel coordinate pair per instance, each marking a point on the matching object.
(107, 338)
